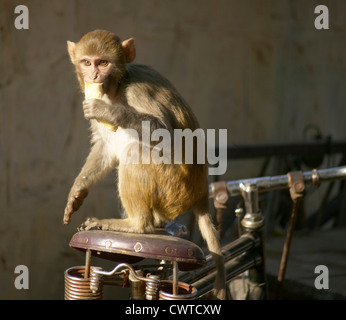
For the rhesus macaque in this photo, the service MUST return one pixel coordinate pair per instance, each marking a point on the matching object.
(151, 194)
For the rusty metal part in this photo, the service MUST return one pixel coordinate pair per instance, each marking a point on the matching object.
(133, 247)
(220, 196)
(296, 184)
(297, 192)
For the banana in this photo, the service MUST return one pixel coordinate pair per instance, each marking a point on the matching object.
(95, 91)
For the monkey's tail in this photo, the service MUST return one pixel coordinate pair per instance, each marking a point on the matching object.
(209, 234)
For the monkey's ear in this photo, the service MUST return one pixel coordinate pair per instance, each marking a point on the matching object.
(129, 49)
(71, 49)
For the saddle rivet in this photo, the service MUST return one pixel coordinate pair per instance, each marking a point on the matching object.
(108, 244)
(168, 250)
(138, 247)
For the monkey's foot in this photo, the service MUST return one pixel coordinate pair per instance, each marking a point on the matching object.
(91, 223)
(122, 225)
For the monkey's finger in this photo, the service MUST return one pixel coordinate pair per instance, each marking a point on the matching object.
(87, 109)
(90, 103)
(80, 195)
(67, 214)
(76, 203)
(66, 220)
(87, 114)
(72, 206)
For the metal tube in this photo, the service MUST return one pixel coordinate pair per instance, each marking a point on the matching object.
(242, 244)
(252, 224)
(175, 278)
(87, 263)
(230, 251)
(233, 268)
(287, 245)
(249, 192)
(269, 183)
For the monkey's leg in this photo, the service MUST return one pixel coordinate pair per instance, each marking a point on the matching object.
(136, 195)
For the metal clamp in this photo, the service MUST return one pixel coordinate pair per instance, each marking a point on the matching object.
(297, 192)
(220, 197)
(296, 184)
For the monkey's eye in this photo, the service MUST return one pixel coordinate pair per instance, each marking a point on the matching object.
(103, 63)
(86, 62)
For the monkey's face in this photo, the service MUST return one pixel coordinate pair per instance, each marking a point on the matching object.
(95, 69)
(100, 57)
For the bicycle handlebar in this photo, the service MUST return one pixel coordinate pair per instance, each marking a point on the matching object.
(270, 183)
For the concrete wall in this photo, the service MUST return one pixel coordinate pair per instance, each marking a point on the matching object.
(257, 68)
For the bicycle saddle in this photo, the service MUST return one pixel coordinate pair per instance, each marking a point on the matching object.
(134, 247)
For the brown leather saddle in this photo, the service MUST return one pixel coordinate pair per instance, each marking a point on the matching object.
(134, 247)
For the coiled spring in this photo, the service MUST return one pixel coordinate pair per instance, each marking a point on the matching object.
(77, 287)
(152, 287)
(185, 291)
(96, 283)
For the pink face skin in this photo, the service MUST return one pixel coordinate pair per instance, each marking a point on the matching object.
(94, 69)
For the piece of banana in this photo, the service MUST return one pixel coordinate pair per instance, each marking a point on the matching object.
(95, 91)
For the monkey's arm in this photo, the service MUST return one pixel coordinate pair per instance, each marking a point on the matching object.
(93, 170)
(119, 114)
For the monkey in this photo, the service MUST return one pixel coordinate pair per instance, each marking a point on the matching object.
(151, 194)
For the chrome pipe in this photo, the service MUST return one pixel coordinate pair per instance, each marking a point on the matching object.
(270, 183)
(230, 251)
(233, 267)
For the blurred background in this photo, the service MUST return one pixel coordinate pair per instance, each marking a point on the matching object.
(258, 68)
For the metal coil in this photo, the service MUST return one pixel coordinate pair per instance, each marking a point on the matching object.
(151, 290)
(96, 280)
(185, 291)
(77, 287)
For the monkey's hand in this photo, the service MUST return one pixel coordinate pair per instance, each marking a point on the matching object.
(99, 109)
(74, 201)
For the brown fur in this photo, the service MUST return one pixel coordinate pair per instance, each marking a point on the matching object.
(151, 194)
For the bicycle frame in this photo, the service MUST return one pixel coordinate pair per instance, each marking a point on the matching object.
(246, 253)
